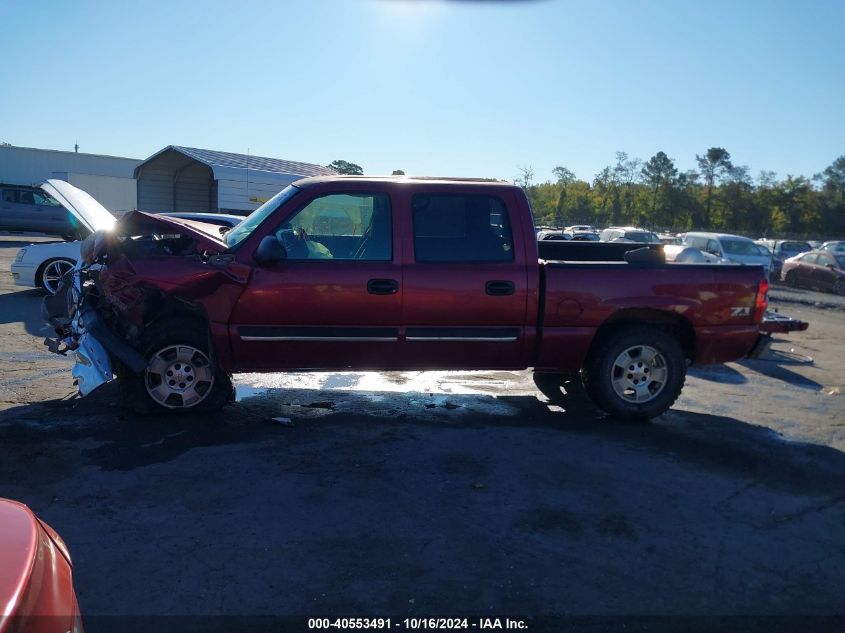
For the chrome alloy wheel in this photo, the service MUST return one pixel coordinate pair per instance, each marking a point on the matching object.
(179, 377)
(639, 374)
(53, 272)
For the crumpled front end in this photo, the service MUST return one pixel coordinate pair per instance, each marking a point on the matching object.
(67, 313)
(126, 281)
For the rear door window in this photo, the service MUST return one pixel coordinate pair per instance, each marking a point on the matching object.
(461, 228)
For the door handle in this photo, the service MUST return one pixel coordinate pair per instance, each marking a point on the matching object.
(499, 288)
(382, 286)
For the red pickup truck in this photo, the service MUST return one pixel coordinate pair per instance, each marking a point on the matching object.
(390, 273)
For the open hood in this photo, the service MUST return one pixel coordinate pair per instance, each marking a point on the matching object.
(90, 213)
(207, 236)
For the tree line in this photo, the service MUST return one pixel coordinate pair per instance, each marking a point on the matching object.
(717, 196)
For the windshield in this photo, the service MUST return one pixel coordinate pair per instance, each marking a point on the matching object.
(257, 217)
(794, 248)
(740, 247)
(646, 237)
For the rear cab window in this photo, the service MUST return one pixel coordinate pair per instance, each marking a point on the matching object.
(461, 228)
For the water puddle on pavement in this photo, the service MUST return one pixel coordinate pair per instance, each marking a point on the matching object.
(413, 391)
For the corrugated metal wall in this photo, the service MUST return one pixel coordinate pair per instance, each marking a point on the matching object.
(108, 178)
(193, 188)
(174, 182)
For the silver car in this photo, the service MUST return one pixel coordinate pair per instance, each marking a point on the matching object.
(28, 209)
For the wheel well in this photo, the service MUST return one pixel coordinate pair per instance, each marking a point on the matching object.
(38, 283)
(175, 308)
(672, 323)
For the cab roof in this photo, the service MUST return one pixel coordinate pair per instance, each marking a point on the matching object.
(405, 180)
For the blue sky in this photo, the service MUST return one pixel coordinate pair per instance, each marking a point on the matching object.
(442, 88)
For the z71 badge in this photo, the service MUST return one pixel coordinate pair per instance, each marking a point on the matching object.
(739, 312)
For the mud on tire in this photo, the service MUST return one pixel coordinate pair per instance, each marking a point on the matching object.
(635, 372)
(182, 374)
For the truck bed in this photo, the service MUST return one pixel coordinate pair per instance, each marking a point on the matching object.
(555, 250)
(711, 307)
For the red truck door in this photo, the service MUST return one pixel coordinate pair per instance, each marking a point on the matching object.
(335, 301)
(465, 282)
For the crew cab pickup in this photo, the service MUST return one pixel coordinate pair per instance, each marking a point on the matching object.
(383, 274)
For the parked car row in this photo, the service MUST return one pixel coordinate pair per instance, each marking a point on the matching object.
(819, 270)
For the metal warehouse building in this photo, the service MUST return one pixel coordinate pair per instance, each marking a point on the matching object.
(189, 179)
(108, 178)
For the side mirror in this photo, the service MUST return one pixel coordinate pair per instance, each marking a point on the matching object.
(269, 251)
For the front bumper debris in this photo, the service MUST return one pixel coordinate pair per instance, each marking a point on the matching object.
(82, 331)
(93, 367)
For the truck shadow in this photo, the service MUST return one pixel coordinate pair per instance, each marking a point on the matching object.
(722, 374)
(774, 369)
(24, 306)
(293, 421)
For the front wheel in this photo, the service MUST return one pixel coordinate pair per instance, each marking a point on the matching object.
(636, 372)
(181, 372)
(839, 287)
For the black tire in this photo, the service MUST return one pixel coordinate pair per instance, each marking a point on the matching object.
(603, 381)
(839, 287)
(791, 279)
(556, 387)
(163, 335)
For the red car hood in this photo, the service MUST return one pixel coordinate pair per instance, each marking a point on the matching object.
(207, 236)
(18, 547)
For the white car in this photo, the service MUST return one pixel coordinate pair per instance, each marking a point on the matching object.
(43, 265)
(683, 254)
(734, 248)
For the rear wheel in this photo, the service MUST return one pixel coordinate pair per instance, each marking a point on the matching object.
(839, 287)
(636, 372)
(181, 372)
(791, 279)
(51, 272)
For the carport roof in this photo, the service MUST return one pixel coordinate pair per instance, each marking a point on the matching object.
(224, 161)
